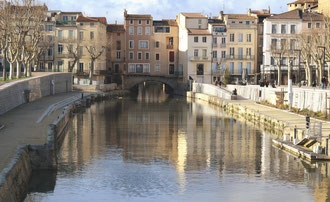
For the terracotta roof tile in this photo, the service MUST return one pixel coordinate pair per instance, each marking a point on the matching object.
(311, 16)
(194, 15)
(115, 28)
(240, 16)
(294, 14)
(92, 19)
(138, 16)
(198, 32)
(303, 1)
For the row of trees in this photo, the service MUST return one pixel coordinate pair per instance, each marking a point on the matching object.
(312, 47)
(20, 35)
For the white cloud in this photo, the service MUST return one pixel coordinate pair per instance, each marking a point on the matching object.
(163, 9)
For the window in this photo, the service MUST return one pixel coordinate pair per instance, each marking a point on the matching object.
(223, 40)
(60, 65)
(81, 50)
(131, 22)
(248, 37)
(92, 24)
(223, 54)
(274, 44)
(200, 69)
(204, 53)
(240, 53)
(81, 67)
(116, 68)
(274, 29)
(60, 49)
(283, 29)
(146, 68)
(139, 31)
(248, 67)
(139, 56)
(240, 37)
(50, 52)
(309, 25)
(247, 22)
(148, 22)
(283, 44)
(131, 44)
(232, 37)
(147, 30)
(199, 21)
(196, 39)
(157, 44)
(157, 56)
(215, 41)
(49, 28)
(293, 29)
(248, 52)
(71, 34)
(240, 68)
(140, 22)
(91, 35)
(81, 24)
(131, 55)
(118, 45)
(144, 44)
(81, 36)
(240, 22)
(231, 68)
(131, 30)
(157, 67)
(147, 56)
(292, 44)
(171, 56)
(171, 69)
(160, 29)
(60, 34)
(131, 67)
(223, 68)
(73, 18)
(272, 61)
(204, 39)
(318, 25)
(195, 52)
(65, 18)
(118, 55)
(232, 52)
(215, 54)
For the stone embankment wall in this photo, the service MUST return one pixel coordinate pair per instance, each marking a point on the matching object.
(101, 87)
(213, 91)
(15, 93)
(14, 179)
(303, 98)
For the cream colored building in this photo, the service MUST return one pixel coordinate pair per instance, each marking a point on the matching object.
(303, 5)
(241, 45)
(324, 7)
(195, 46)
(116, 52)
(91, 32)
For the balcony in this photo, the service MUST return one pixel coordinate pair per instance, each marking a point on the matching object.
(214, 45)
(200, 58)
(65, 23)
(215, 71)
(169, 46)
(240, 57)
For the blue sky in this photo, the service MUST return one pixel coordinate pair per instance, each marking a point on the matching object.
(162, 9)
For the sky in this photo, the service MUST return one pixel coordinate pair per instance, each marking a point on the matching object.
(162, 9)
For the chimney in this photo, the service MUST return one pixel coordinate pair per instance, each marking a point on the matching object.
(221, 15)
(125, 12)
(249, 12)
(269, 9)
(115, 21)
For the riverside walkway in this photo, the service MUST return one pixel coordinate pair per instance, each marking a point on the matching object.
(21, 127)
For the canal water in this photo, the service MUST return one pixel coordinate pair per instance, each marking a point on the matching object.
(171, 149)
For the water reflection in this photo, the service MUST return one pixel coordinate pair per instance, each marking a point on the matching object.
(176, 151)
(152, 92)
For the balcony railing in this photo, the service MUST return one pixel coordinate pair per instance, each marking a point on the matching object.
(200, 58)
(169, 46)
(65, 23)
(240, 57)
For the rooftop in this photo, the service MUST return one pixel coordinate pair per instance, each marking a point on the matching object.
(294, 14)
(303, 1)
(312, 16)
(198, 32)
(115, 28)
(240, 16)
(138, 16)
(102, 20)
(193, 15)
(165, 22)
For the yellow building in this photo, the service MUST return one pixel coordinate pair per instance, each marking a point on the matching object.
(92, 35)
(303, 5)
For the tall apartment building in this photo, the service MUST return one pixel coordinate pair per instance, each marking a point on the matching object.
(65, 37)
(219, 38)
(138, 37)
(164, 48)
(241, 45)
(282, 32)
(195, 46)
(116, 52)
(92, 37)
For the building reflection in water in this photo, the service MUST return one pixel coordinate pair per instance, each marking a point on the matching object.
(197, 142)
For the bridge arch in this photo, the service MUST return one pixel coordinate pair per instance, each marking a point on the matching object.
(132, 80)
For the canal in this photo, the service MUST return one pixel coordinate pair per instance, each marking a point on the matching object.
(160, 148)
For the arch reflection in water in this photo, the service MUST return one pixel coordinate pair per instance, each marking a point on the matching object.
(152, 92)
(176, 151)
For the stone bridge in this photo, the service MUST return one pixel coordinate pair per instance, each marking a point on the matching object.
(132, 80)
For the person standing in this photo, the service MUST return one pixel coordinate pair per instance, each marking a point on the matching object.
(323, 85)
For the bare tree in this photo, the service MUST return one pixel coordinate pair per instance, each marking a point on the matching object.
(306, 48)
(74, 52)
(5, 18)
(94, 52)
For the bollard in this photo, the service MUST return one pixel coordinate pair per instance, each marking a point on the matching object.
(327, 146)
(82, 95)
(295, 132)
